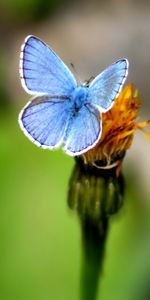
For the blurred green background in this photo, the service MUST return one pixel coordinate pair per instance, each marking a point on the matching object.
(40, 237)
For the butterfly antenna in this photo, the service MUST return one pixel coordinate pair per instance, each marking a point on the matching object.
(75, 71)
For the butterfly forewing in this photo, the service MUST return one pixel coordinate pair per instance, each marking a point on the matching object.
(42, 71)
(107, 85)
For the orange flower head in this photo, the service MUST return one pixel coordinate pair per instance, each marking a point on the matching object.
(118, 128)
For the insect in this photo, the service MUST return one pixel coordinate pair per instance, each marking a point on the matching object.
(63, 113)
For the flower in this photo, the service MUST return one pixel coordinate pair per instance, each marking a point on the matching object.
(118, 128)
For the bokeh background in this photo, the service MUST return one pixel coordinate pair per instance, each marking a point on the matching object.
(40, 252)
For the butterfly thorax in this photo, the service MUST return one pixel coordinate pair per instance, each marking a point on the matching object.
(79, 97)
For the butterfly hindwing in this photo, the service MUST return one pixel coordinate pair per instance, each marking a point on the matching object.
(107, 85)
(44, 121)
(83, 131)
(42, 71)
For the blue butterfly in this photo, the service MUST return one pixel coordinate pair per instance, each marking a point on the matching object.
(63, 113)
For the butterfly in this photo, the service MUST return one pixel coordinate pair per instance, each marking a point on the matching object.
(63, 113)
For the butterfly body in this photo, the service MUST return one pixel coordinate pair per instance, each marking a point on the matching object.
(63, 113)
(79, 97)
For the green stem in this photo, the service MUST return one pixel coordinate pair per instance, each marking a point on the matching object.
(93, 247)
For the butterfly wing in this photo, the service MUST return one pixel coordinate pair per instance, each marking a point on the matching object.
(83, 131)
(107, 85)
(44, 121)
(42, 71)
